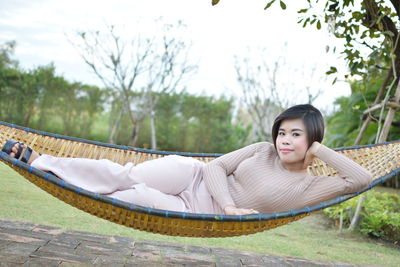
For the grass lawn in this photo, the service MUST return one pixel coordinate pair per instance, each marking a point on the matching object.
(309, 238)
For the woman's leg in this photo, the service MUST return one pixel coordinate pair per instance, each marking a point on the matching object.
(170, 174)
(145, 196)
(99, 176)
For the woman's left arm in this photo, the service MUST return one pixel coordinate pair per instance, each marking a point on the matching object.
(352, 177)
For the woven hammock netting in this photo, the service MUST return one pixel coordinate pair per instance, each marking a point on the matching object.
(382, 160)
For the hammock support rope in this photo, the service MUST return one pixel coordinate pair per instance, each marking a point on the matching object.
(382, 160)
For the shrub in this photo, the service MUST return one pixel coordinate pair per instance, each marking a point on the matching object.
(380, 215)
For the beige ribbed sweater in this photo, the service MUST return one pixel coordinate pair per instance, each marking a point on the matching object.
(253, 177)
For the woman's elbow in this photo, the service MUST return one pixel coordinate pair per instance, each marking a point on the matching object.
(369, 178)
(365, 179)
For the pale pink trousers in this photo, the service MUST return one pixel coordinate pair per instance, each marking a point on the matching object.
(172, 182)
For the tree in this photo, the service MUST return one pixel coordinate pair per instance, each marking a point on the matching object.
(40, 99)
(343, 124)
(136, 70)
(17, 90)
(6, 52)
(193, 123)
(368, 24)
(267, 91)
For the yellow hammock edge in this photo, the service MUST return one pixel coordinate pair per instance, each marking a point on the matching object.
(382, 160)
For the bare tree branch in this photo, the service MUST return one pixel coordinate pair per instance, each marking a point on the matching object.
(138, 69)
(267, 88)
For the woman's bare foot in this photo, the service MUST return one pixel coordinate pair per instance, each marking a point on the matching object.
(33, 156)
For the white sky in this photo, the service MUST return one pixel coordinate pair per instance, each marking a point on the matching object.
(217, 34)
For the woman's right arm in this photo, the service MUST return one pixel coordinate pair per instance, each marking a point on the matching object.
(352, 177)
(215, 174)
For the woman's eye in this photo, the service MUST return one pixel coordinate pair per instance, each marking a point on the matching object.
(281, 133)
(296, 134)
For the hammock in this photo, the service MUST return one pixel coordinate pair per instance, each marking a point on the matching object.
(382, 160)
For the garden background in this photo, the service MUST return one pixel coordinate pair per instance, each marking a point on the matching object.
(143, 98)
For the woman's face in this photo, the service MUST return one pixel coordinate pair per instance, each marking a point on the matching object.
(291, 141)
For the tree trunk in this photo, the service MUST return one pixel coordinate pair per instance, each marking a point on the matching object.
(389, 117)
(29, 116)
(115, 127)
(378, 97)
(135, 134)
(356, 217)
(153, 130)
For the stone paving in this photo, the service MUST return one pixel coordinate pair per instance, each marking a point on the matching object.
(29, 244)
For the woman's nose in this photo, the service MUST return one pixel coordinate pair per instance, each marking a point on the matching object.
(285, 140)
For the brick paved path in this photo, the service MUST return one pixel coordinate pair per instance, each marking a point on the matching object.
(30, 244)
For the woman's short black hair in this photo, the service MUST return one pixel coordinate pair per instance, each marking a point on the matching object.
(312, 119)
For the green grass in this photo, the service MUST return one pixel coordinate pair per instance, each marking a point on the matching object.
(308, 238)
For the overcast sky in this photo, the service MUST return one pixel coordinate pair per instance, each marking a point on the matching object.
(217, 34)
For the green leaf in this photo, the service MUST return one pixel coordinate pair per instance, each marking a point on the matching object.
(357, 15)
(303, 10)
(269, 5)
(357, 28)
(364, 34)
(319, 25)
(283, 5)
(305, 22)
(331, 70)
(389, 33)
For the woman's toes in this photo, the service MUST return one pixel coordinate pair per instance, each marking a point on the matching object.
(15, 148)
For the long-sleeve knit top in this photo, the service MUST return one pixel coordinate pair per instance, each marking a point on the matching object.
(254, 177)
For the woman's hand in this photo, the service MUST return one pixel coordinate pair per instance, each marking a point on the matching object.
(232, 210)
(311, 154)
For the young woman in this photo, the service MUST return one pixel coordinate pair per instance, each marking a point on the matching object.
(261, 177)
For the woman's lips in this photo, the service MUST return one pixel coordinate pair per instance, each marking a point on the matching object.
(285, 151)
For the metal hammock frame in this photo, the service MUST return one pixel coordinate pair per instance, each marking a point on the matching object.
(382, 160)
